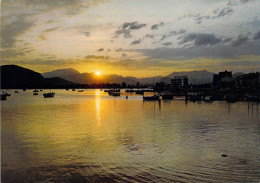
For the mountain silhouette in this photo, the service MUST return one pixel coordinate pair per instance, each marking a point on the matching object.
(13, 76)
(195, 77)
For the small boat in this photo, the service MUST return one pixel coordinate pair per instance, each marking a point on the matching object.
(24, 89)
(16, 92)
(35, 93)
(35, 90)
(167, 95)
(116, 94)
(40, 90)
(3, 97)
(80, 90)
(67, 89)
(154, 97)
(48, 95)
(73, 89)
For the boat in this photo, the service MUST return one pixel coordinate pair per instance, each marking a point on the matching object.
(154, 97)
(3, 97)
(24, 89)
(73, 90)
(80, 90)
(67, 89)
(35, 90)
(35, 93)
(116, 94)
(16, 92)
(48, 95)
(167, 95)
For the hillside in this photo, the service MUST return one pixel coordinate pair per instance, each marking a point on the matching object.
(13, 76)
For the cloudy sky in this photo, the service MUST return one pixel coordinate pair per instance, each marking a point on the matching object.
(131, 37)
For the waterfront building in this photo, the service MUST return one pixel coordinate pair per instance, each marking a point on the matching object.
(223, 79)
(179, 81)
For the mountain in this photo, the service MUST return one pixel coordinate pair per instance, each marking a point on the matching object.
(195, 77)
(90, 78)
(13, 76)
(67, 74)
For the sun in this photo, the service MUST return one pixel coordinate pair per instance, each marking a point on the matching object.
(97, 73)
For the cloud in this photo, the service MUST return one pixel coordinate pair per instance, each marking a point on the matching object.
(244, 1)
(167, 44)
(172, 33)
(124, 55)
(149, 36)
(240, 40)
(100, 49)
(217, 51)
(119, 50)
(96, 57)
(135, 42)
(10, 32)
(126, 29)
(257, 35)
(200, 39)
(86, 34)
(226, 40)
(225, 11)
(155, 26)
(133, 25)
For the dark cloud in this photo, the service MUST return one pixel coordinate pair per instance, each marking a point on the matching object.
(217, 51)
(257, 35)
(240, 40)
(133, 25)
(124, 55)
(135, 42)
(200, 39)
(125, 32)
(126, 29)
(10, 32)
(96, 57)
(172, 33)
(149, 36)
(155, 26)
(119, 50)
(225, 11)
(167, 44)
(100, 49)
(86, 34)
(244, 1)
(227, 40)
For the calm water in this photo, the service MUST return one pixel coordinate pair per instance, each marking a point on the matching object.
(92, 137)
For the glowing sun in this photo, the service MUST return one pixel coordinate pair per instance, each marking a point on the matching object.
(97, 73)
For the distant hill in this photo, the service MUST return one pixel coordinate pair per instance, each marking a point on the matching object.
(13, 76)
(90, 78)
(195, 77)
(68, 74)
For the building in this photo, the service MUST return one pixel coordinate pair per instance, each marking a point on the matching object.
(251, 80)
(179, 81)
(223, 79)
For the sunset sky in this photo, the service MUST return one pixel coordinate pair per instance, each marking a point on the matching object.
(131, 37)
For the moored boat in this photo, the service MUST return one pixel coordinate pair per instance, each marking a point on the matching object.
(48, 95)
(154, 97)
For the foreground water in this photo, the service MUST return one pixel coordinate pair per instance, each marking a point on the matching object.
(91, 137)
